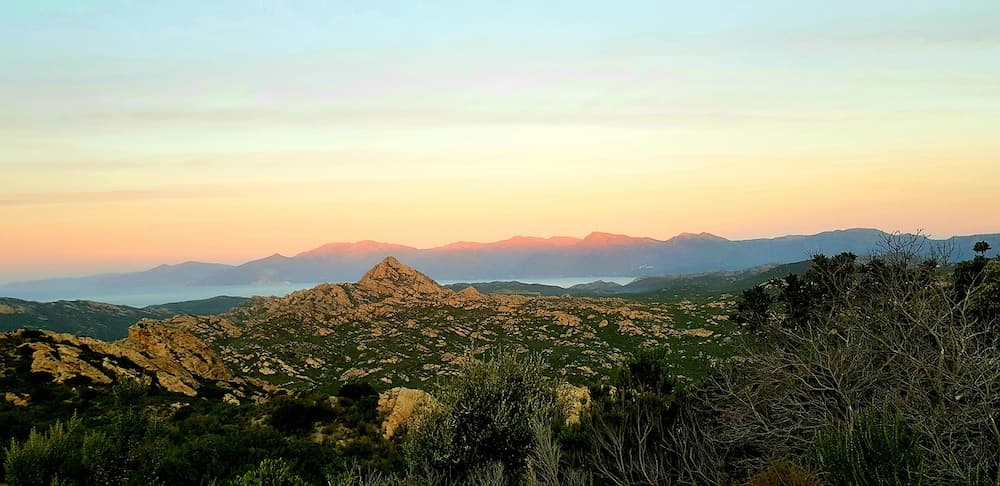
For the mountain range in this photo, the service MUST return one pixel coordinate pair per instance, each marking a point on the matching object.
(597, 254)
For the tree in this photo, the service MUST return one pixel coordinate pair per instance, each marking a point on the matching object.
(754, 308)
(981, 247)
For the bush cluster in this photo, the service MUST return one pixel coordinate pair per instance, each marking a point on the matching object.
(139, 442)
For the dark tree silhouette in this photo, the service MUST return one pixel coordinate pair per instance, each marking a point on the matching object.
(754, 308)
(981, 247)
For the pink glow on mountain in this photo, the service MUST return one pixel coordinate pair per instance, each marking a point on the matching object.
(359, 247)
(517, 242)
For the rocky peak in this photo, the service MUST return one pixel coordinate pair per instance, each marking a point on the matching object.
(470, 292)
(391, 277)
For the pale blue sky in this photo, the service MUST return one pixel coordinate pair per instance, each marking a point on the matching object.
(123, 108)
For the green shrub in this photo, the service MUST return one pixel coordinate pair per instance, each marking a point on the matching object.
(878, 448)
(357, 390)
(648, 371)
(45, 457)
(125, 451)
(484, 419)
(984, 297)
(297, 416)
(270, 472)
(854, 335)
(128, 391)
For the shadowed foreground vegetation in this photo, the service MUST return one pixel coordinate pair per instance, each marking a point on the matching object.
(883, 370)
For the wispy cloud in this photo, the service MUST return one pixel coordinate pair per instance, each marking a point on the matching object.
(80, 197)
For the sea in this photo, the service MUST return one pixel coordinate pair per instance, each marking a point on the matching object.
(147, 296)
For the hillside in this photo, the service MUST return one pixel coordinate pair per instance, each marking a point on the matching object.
(396, 326)
(663, 286)
(210, 306)
(81, 318)
(272, 374)
(97, 319)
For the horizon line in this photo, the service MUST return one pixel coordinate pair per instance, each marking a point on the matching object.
(918, 232)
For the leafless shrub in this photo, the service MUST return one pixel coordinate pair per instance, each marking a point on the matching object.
(894, 336)
(643, 446)
(545, 460)
(491, 474)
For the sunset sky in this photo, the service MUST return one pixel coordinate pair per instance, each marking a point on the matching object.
(134, 133)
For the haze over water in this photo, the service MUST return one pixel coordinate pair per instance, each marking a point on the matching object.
(178, 293)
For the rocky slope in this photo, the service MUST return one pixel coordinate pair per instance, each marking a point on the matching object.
(167, 356)
(79, 317)
(397, 327)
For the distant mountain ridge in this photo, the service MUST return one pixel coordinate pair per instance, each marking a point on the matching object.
(596, 255)
(187, 273)
(710, 283)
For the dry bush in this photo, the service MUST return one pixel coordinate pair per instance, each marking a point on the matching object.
(884, 333)
(641, 431)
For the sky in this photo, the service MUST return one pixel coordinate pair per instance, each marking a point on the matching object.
(134, 133)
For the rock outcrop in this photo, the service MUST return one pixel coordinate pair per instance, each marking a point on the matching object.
(388, 284)
(393, 279)
(575, 400)
(16, 399)
(398, 407)
(175, 350)
(154, 352)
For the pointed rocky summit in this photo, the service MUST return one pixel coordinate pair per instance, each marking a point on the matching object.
(392, 277)
(469, 292)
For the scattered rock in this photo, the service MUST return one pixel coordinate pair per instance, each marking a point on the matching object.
(697, 332)
(15, 399)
